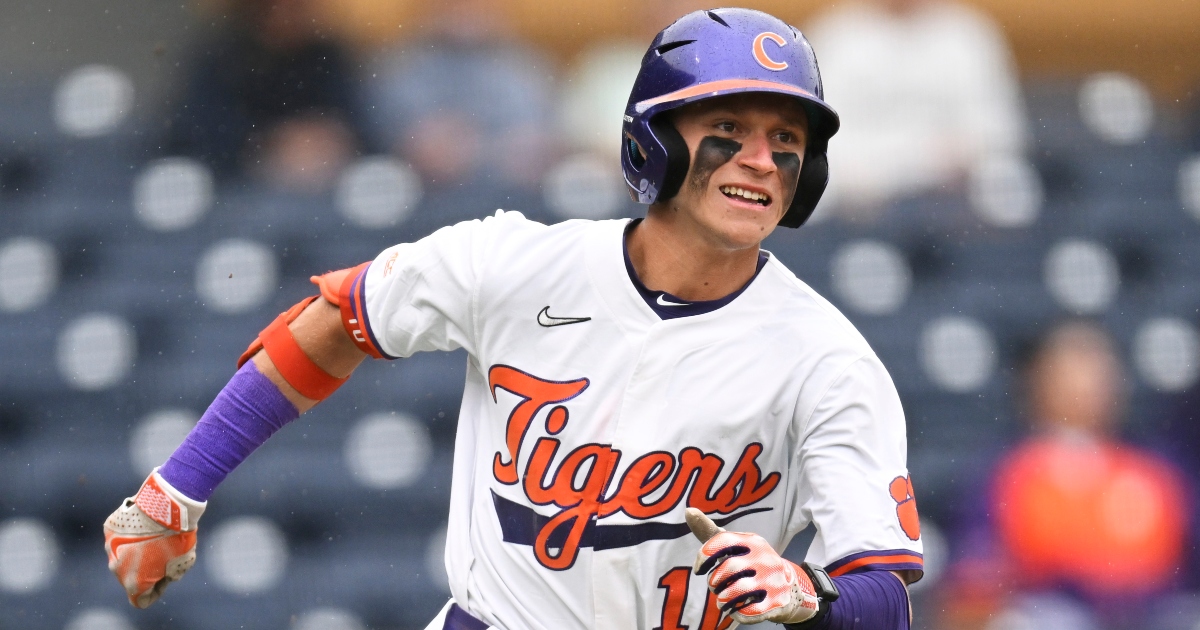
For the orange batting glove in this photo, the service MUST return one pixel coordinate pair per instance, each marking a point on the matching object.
(752, 582)
(151, 539)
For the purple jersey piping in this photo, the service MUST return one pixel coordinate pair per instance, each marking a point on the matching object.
(888, 560)
(686, 308)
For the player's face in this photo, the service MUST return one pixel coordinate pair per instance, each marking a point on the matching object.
(746, 150)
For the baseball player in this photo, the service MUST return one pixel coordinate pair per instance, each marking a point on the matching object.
(629, 383)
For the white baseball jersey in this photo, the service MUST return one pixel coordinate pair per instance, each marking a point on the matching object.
(589, 423)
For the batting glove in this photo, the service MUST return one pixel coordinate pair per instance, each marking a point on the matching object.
(752, 582)
(151, 539)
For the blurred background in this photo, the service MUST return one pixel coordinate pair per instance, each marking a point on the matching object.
(1013, 222)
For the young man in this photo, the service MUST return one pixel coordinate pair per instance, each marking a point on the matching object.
(628, 381)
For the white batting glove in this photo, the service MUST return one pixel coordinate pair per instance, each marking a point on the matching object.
(752, 582)
(151, 539)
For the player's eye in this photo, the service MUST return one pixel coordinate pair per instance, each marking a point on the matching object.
(726, 126)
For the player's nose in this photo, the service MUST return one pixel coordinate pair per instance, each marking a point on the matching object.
(756, 153)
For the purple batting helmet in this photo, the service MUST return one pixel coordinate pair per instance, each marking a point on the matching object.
(713, 53)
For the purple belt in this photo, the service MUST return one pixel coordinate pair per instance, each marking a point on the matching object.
(459, 619)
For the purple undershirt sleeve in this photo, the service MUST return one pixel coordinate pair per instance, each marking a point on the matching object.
(247, 411)
(871, 600)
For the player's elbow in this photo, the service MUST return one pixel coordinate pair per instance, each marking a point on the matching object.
(320, 333)
(307, 356)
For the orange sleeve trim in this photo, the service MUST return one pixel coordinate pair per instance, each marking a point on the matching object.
(712, 87)
(352, 301)
(344, 289)
(895, 562)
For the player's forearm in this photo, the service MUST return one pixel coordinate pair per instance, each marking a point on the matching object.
(319, 333)
(873, 600)
(246, 412)
(257, 402)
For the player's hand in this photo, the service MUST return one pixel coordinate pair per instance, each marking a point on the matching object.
(151, 539)
(752, 582)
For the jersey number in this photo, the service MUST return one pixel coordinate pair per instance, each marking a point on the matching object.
(675, 583)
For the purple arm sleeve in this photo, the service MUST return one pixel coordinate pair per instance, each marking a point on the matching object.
(871, 600)
(247, 411)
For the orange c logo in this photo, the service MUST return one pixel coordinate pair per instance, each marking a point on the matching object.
(760, 55)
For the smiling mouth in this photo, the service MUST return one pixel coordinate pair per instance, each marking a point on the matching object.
(733, 192)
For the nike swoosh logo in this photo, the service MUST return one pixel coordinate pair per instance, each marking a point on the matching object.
(663, 302)
(546, 319)
(117, 542)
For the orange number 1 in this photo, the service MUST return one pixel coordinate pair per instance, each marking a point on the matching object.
(675, 582)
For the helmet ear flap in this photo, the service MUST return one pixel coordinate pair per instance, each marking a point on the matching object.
(814, 177)
(678, 156)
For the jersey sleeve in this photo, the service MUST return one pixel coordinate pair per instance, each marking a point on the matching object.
(421, 296)
(855, 483)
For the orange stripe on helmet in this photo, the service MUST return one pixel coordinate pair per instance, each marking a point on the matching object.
(724, 85)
